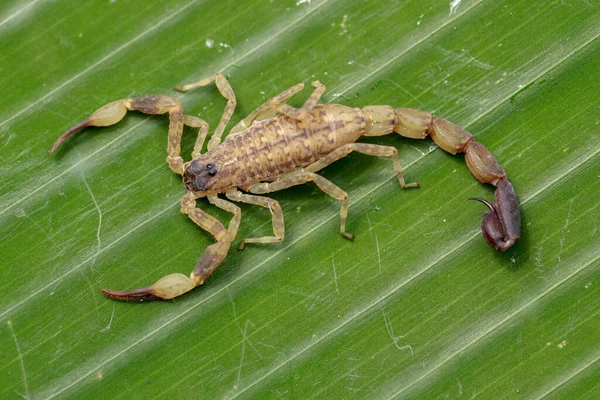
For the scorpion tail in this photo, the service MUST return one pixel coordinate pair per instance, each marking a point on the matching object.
(502, 224)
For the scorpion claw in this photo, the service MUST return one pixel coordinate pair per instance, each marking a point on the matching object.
(139, 295)
(165, 288)
(502, 224)
(79, 126)
(106, 115)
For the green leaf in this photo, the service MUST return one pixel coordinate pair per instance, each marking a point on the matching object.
(417, 306)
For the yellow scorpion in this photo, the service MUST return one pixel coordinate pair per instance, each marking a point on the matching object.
(278, 146)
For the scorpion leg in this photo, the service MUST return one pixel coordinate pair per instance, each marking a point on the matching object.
(365, 148)
(196, 122)
(276, 215)
(300, 113)
(176, 284)
(268, 109)
(227, 92)
(301, 176)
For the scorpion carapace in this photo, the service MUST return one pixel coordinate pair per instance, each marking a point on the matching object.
(278, 146)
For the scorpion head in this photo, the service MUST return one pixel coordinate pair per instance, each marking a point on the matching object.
(199, 176)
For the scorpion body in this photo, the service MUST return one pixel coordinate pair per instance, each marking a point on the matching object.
(278, 146)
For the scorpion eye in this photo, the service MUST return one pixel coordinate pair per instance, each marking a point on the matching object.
(212, 171)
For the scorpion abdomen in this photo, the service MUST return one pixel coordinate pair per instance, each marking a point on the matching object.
(281, 144)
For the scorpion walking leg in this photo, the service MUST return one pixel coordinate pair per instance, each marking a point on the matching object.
(176, 284)
(276, 214)
(267, 109)
(227, 92)
(365, 148)
(300, 113)
(196, 122)
(299, 177)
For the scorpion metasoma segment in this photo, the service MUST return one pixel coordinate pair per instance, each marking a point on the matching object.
(278, 146)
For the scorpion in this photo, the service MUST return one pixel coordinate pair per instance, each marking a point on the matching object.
(278, 146)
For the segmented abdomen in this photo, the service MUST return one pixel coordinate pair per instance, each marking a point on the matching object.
(280, 144)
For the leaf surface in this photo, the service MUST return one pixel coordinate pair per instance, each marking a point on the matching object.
(417, 306)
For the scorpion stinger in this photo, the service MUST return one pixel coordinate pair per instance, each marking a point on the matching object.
(501, 225)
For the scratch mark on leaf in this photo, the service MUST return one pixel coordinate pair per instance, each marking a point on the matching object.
(369, 222)
(99, 220)
(538, 256)
(11, 232)
(460, 388)
(562, 233)
(244, 341)
(418, 150)
(23, 372)
(107, 328)
(376, 241)
(94, 296)
(453, 6)
(378, 252)
(337, 289)
(41, 228)
(267, 345)
(412, 96)
(390, 330)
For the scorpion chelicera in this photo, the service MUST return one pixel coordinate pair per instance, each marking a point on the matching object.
(278, 146)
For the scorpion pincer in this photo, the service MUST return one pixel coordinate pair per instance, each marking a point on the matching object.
(278, 146)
